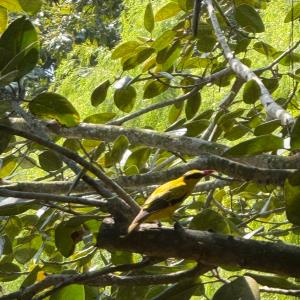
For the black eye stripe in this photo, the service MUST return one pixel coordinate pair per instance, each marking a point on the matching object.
(193, 176)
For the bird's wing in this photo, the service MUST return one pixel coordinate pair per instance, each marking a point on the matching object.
(166, 195)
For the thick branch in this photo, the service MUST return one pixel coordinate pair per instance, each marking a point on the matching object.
(205, 247)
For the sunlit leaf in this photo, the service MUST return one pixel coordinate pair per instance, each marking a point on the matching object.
(149, 18)
(260, 144)
(169, 10)
(164, 40)
(70, 292)
(54, 106)
(100, 118)
(124, 48)
(293, 14)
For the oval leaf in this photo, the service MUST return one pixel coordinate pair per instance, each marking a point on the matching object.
(293, 14)
(100, 93)
(101, 118)
(170, 10)
(54, 106)
(125, 98)
(164, 40)
(50, 161)
(295, 135)
(149, 18)
(249, 18)
(154, 88)
(124, 48)
(260, 144)
(251, 92)
(242, 288)
(192, 105)
(292, 196)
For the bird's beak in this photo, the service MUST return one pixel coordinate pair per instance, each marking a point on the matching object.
(208, 172)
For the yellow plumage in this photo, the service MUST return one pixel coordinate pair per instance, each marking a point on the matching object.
(167, 198)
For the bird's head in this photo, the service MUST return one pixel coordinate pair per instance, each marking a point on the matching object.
(196, 175)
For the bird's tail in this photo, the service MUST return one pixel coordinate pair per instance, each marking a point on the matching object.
(141, 216)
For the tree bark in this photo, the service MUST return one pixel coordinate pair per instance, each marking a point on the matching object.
(205, 247)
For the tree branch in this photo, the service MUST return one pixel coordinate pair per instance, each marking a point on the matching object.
(272, 108)
(92, 168)
(50, 197)
(205, 247)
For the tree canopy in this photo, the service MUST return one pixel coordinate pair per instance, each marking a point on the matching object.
(101, 102)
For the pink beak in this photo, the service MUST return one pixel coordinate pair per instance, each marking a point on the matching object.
(208, 172)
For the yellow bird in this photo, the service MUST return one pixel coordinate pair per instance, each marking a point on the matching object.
(166, 199)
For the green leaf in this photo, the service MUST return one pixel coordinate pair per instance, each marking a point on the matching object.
(6, 269)
(257, 145)
(195, 62)
(11, 5)
(195, 127)
(149, 18)
(100, 92)
(124, 48)
(154, 88)
(249, 18)
(175, 112)
(68, 234)
(3, 18)
(120, 146)
(31, 278)
(273, 281)
(293, 14)
(4, 140)
(27, 247)
(292, 196)
(9, 164)
(31, 6)
(54, 106)
(13, 227)
(91, 293)
(138, 158)
(169, 10)
(184, 290)
(251, 92)
(288, 59)
(186, 5)
(209, 219)
(19, 48)
(50, 161)
(101, 118)
(192, 105)
(13, 206)
(70, 292)
(124, 98)
(267, 127)
(295, 135)
(242, 288)
(142, 54)
(164, 40)
(236, 132)
(63, 239)
(271, 84)
(264, 48)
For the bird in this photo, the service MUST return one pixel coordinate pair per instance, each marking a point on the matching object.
(167, 198)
